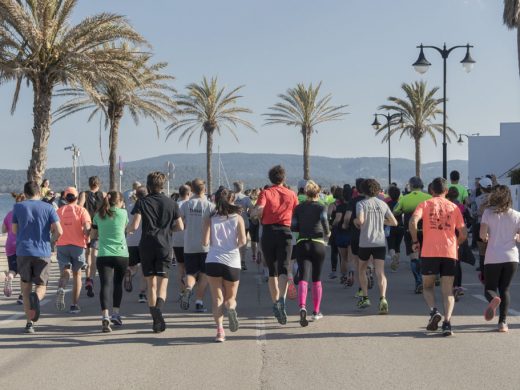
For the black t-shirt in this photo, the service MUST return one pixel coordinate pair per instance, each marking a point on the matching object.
(355, 231)
(310, 220)
(391, 205)
(159, 214)
(343, 208)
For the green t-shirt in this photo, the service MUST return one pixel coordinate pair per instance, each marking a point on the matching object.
(463, 192)
(409, 202)
(111, 231)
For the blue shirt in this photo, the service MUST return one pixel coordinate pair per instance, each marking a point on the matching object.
(34, 219)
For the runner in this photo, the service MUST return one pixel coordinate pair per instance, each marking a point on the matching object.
(132, 241)
(406, 206)
(441, 220)
(395, 233)
(463, 197)
(33, 223)
(10, 251)
(76, 224)
(224, 232)
(160, 218)
(178, 240)
(486, 186)
(92, 200)
(340, 222)
(310, 220)
(129, 195)
(254, 229)
(332, 212)
(109, 226)
(354, 239)
(500, 229)
(244, 202)
(274, 208)
(372, 216)
(193, 212)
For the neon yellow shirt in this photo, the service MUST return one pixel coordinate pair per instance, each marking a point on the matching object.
(409, 202)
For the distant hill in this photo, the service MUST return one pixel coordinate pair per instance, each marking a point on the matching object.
(251, 168)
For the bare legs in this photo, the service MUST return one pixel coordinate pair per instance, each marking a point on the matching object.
(223, 295)
(447, 294)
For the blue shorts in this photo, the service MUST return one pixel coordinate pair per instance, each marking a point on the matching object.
(71, 257)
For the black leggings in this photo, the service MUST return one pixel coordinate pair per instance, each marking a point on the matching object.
(334, 256)
(499, 277)
(310, 256)
(276, 247)
(111, 271)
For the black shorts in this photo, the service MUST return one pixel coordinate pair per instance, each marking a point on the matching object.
(178, 251)
(408, 241)
(395, 238)
(217, 270)
(254, 231)
(134, 257)
(277, 248)
(11, 262)
(378, 253)
(195, 263)
(354, 245)
(438, 265)
(342, 238)
(155, 261)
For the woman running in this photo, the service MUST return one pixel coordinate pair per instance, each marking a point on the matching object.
(311, 222)
(225, 233)
(500, 229)
(112, 260)
(396, 233)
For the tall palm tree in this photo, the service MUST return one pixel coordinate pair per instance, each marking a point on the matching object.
(207, 108)
(146, 94)
(301, 107)
(512, 21)
(39, 44)
(419, 109)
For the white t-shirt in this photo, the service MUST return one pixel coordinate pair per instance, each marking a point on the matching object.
(502, 229)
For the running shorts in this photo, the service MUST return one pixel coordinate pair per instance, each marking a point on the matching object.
(178, 251)
(33, 269)
(134, 257)
(342, 238)
(254, 231)
(71, 257)
(378, 253)
(155, 261)
(276, 244)
(438, 265)
(195, 263)
(218, 270)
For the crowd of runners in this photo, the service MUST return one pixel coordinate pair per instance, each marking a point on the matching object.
(136, 237)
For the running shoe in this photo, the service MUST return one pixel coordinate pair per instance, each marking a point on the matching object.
(350, 279)
(435, 318)
(20, 299)
(419, 289)
(502, 327)
(457, 293)
(89, 286)
(74, 309)
(358, 294)
(292, 292)
(446, 329)
(8, 285)
(370, 278)
(142, 298)
(395, 263)
(363, 303)
(491, 309)
(316, 316)
(199, 308)
(60, 299)
(342, 279)
(127, 283)
(105, 325)
(283, 314)
(185, 299)
(221, 335)
(276, 310)
(303, 317)
(383, 306)
(333, 275)
(29, 328)
(116, 320)
(233, 320)
(34, 311)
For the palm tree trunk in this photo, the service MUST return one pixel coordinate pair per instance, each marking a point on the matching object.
(417, 157)
(41, 129)
(115, 113)
(209, 152)
(306, 151)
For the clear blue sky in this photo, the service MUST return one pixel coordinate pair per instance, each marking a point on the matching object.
(361, 50)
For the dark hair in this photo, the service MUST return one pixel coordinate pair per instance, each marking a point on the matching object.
(277, 174)
(224, 203)
(453, 194)
(439, 185)
(94, 181)
(338, 194)
(238, 186)
(43, 182)
(31, 189)
(500, 199)
(454, 176)
(416, 182)
(347, 192)
(198, 186)
(155, 182)
(141, 192)
(184, 190)
(394, 192)
(359, 183)
(371, 187)
(112, 198)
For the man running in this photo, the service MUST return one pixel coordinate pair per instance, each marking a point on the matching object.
(160, 217)
(193, 212)
(33, 222)
(406, 206)
(178, 240)
(245, 203)
(75, 221)
(442, 220)
(463, 191)
(355, 232)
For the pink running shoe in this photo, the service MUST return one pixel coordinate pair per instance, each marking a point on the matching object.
(221, 336)
(491, 309)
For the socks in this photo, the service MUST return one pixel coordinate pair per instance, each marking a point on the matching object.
(302, 293)
(159, 303)
(317, 292)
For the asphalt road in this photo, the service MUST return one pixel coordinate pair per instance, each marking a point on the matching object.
(346, 349)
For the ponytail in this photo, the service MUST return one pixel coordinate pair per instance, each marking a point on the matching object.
(224, 203)
(111, 199)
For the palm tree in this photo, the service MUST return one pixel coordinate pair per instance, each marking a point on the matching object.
(208, 108)
(419, 110)
(38, 44)
(512, 21)
(146, 94)
(301, 107)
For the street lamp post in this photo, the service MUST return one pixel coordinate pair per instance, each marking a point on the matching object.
(75, 155)
(461, 141)
(376, 125)
(422, 65)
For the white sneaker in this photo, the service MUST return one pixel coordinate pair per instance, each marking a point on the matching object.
(316, 316)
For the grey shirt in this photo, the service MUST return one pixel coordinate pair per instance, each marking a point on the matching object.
(372, 233)
(193, 213)
(246, 204)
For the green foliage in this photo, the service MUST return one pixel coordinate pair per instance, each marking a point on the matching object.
(515, 176)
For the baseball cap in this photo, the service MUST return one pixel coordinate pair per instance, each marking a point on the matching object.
(486, 182)
(70, 192)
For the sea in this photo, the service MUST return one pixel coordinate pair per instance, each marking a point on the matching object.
(6, 205)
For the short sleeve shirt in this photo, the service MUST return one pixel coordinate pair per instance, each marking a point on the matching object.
(246, 204)
(72, 219)
(502, 229)
(278, 205)
(372, 232)
(440, 219)
(463, 192)
(10, 243)
(193, 212)
(112, 241)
